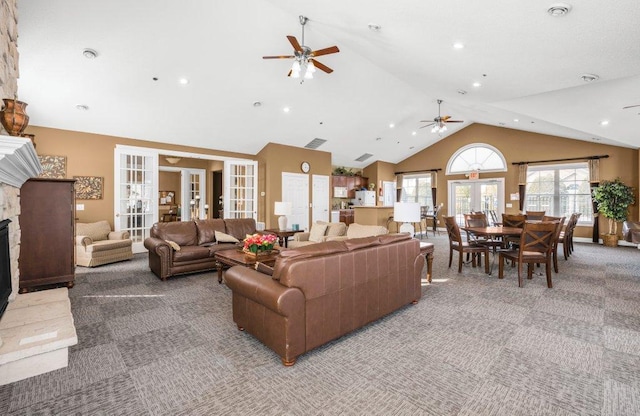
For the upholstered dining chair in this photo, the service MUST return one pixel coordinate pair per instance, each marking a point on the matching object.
(535, 215)
(536, 245)
(457, 244)
(556, 238)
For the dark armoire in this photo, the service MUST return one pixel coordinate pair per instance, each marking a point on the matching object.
(47, 228)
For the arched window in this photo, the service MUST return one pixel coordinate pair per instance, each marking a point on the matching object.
(476, 156)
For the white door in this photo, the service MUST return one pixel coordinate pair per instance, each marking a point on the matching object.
(389, 193)
(135, 193)
(193, 194)
(295, 189)
(320, 198)
(240, 189)
(475, 195)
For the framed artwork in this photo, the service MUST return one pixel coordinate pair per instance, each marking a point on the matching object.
(53, 167)
(89, 187)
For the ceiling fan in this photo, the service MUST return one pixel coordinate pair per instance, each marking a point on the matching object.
(631, 106)
(304, 56)
(439, 123)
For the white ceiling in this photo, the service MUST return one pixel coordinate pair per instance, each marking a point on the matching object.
(529, 63)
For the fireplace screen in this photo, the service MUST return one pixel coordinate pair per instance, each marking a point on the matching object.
(5, 266)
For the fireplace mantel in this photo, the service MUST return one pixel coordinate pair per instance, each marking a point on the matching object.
(18, 161)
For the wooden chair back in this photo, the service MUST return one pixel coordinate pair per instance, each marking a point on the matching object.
(511, 220)
(537, 238)
(475, 220)
(535, 215)
(453, 231)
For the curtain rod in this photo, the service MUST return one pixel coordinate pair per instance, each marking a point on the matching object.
(418, 171)
(562, 160)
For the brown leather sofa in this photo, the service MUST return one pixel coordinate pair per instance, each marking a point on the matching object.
(194, 244)
(631, 232)
(320, 292)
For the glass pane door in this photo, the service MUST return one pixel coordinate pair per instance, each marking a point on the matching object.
(240, 189)
(477, 195)
(136, 194)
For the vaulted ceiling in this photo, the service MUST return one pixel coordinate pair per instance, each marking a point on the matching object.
(529, 64)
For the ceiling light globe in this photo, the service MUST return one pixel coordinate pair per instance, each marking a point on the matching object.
(296, 66)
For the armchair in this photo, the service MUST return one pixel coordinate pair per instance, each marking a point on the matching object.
(96, 244)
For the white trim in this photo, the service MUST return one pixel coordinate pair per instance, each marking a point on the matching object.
(177, 153)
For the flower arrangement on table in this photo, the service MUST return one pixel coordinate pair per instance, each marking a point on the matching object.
(259, 243)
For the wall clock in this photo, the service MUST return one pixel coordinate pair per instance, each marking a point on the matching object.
(305, 166)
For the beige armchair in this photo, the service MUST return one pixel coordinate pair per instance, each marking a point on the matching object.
(96, 244)
(320, 231)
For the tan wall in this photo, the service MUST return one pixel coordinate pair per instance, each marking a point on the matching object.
(93, 155)
(378, 172)
(274, 159)
(520, 146)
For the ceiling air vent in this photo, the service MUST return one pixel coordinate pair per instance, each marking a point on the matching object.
(364, 157)
(315, 143)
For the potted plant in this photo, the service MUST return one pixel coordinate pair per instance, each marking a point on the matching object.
(613, 199)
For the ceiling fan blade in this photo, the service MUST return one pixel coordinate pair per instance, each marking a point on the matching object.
(326, 51)
(454, 121)
(294, 43)
(278, 57)
(290, 71)
(631, 106)
(321, 66)
(427, 125)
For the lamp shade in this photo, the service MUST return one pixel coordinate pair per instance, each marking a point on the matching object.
(282, 208)
(406, 212)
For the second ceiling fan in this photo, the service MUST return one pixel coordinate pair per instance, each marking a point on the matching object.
(304, 56)
(439, 123)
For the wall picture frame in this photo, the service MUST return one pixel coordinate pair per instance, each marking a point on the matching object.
(53, 167)
(89, 187)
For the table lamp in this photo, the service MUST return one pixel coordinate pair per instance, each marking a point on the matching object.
(406, 213)
(283, 209)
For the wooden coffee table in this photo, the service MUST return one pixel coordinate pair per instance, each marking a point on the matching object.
(235, 257)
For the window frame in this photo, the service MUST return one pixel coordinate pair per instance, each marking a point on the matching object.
(406, 197)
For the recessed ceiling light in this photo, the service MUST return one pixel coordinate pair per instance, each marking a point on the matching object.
(257, 103)
(604, 123)
(391, 125)
(516, 120)
(413, 133)
(183, 81)
(596, 139)
(589, 77)
(559, 9)
(374, 27)
(89, 53)
(458, 45)
(82, 107)
(477, 84)
(286, 109)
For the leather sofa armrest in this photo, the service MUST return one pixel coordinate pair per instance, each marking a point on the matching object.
(157, 245)
(118, 235)
(253, 285)
(301, 236)
(83, 240)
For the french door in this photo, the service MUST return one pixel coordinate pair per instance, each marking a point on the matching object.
(240, 189)
(136, 193)
(475, 195)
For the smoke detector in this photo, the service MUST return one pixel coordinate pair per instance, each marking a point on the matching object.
(589, 77)
(559, 9)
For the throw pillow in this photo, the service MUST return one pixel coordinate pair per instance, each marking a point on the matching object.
(225, 238)
(173, 245)
(316, 234)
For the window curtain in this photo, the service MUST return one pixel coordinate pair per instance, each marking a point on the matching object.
(434, 189)
(522, 184)
(594, 181)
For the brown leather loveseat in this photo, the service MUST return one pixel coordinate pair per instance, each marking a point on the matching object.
(190, 246)
(320, 292)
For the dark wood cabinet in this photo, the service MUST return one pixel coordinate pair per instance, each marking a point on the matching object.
(346, 216)
(47, 228)
(352, 183)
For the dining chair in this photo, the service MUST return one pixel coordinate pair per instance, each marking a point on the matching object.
(535, 215)
(493, 217)
(536, 244)
(566, 236)
(434, 217)
(556, 238)
(456, 243)
(424, 212)
(479, 219)
(515, 221)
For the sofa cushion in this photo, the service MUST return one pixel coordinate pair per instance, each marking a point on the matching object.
(207, 228)
(392, 238)
(358, 230)
(312, 250)
(96, 231)
(336, 229)
(184, 233)
(240, 227)
(225, 238)
(316, 234)
(189, 253)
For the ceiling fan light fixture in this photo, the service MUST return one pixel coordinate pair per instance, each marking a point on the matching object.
(434, 129)
(308, 74)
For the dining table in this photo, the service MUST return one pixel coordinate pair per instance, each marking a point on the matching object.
(492, 233)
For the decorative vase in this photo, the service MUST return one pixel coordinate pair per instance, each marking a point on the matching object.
(610, 240)
(13, 116)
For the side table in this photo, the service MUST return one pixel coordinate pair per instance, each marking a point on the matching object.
(283, 235)
(426, 249)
